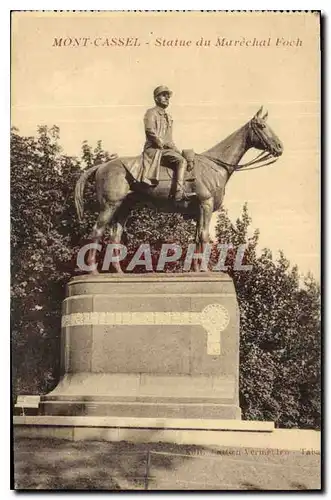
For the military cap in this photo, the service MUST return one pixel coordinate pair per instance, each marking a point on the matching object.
(160, 89)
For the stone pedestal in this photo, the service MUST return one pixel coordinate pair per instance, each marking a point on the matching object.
(149, 345)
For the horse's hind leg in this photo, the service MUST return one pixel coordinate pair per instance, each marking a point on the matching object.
(117, 228)
(105, 216)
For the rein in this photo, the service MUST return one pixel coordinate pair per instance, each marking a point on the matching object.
(261, 160)
(264, 156)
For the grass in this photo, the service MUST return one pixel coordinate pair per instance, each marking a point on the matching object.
(45, 464)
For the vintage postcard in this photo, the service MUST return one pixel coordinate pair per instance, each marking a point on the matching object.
(165, 250)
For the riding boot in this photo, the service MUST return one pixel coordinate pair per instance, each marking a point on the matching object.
(190, 170)
(180, 193)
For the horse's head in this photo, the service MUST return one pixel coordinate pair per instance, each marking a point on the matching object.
(262, 136)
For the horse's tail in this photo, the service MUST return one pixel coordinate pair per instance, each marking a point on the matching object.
(79, 191)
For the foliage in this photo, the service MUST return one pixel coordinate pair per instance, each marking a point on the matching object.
(43, 242)
(280, 333)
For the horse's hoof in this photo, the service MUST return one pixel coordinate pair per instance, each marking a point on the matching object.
(95, 272)
(117, 270)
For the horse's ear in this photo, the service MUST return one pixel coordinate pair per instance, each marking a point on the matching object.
(259, 113)
(265, 116)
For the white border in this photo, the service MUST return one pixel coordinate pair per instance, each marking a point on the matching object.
(5, 7)
(165, 5)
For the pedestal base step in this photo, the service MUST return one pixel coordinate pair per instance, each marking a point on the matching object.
(139, 409)
(147, 423)
(211, 432)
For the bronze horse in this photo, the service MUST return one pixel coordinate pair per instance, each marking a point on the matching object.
(118, 189)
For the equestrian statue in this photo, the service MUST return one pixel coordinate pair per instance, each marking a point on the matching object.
(173, 180)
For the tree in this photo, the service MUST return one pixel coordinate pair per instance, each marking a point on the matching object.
(279, 333)
(147, 225)
(44, 239)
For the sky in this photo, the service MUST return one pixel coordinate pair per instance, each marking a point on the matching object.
(98, 92)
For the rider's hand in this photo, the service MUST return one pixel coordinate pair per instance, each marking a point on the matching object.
(160, 143)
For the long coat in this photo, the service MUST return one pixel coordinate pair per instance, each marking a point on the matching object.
(158, 130)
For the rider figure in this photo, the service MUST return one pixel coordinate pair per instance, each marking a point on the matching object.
(159, 144)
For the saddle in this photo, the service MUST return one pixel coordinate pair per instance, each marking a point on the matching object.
(134, 165)
(165, 174)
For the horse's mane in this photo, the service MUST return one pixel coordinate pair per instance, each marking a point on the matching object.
(221, 149)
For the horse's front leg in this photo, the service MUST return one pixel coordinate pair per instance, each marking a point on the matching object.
(196, 265)
(202, 236)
